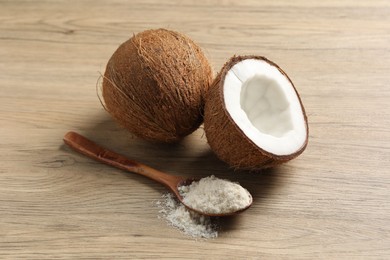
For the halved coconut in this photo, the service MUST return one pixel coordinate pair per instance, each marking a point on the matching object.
(254, 117)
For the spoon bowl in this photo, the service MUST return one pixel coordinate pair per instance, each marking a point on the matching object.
(87, 147)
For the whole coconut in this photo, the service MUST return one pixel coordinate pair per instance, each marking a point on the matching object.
(154, 85)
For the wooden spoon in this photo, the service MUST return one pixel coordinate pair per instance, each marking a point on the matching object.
(99, 153)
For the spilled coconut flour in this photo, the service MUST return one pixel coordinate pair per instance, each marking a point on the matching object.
(187, 221)
(210, 195)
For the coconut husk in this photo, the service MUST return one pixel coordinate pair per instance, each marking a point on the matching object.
(154, 85)
(226, 139)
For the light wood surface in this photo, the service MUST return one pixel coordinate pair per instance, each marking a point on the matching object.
(332, 202)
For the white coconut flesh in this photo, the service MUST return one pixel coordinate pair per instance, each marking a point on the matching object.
(264, 105)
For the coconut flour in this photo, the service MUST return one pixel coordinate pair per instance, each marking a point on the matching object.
(189, 222)
(212, 195)
(209, 195)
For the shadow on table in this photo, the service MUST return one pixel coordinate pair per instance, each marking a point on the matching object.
(191, 157)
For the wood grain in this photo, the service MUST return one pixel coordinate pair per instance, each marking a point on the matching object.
(331, 203)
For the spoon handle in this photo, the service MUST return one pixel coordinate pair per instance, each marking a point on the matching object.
(85, 146)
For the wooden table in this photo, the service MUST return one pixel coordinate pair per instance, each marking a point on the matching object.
(332, 202)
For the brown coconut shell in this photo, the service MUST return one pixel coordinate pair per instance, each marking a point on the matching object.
(155, 84)
(226, 139)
